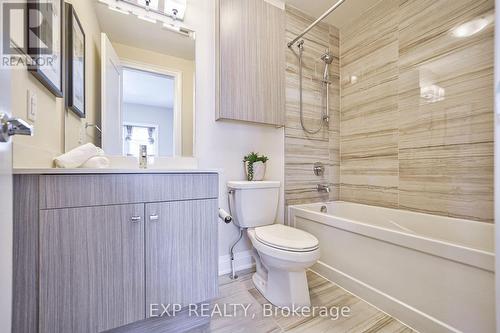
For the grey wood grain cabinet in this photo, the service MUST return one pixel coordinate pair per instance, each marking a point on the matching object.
(180, 261)
(93, 260)
(91, 268)
(251, 62)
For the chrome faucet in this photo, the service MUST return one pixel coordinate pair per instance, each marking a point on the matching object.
(323, 188)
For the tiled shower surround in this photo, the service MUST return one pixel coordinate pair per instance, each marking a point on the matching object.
(302, 149)
(414, 128)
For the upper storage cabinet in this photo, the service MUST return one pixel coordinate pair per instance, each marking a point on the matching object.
(251, 61)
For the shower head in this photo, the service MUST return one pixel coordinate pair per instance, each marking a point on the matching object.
(327, 57)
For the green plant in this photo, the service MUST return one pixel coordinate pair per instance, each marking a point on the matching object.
(251, 159)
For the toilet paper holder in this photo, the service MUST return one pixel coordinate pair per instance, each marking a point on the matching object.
(225, 216)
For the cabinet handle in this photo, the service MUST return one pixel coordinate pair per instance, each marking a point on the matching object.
(136, 219)
(154, 217)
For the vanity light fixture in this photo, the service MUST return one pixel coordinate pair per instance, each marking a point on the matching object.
(149, 4)
(148, 10)
(176, 9)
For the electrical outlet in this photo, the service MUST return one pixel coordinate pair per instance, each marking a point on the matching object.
(32, 105)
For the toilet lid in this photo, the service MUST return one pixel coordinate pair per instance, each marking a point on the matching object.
(286, 238)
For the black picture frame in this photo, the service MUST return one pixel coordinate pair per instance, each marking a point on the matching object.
(36, 70)
(72, 20)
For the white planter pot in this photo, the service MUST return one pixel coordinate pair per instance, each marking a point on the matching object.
(259, 171)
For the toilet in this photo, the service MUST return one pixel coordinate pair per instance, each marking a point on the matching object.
(282, 254)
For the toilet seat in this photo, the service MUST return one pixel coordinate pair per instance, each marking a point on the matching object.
(286, 238)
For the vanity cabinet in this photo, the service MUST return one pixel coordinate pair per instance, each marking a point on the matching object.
(180, 258)
(91, 268)
(93, 252)
(251, 61)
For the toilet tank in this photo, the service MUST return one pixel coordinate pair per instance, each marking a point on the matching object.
(254, 204)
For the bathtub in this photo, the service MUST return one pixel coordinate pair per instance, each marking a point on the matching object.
(433, 273)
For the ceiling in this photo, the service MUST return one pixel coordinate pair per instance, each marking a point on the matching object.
(344, 14)
(129, 30)
(146, 88)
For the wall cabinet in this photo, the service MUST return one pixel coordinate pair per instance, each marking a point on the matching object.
(100, 266)
(251, 61)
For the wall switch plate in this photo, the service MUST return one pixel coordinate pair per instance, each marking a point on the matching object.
(32, 105)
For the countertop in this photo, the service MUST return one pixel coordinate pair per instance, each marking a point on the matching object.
(60, 171)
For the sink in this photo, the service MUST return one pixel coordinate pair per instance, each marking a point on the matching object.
(156, 163)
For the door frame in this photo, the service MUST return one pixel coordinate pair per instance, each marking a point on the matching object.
(6, 204)
(177, 111)
(106, 141)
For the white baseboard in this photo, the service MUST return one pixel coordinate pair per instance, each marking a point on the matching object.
(408, 315)
(242, 260)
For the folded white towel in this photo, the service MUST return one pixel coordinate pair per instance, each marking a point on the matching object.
(78, 156)
(96, 162)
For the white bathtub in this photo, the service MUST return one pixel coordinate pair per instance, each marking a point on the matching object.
(434, 273)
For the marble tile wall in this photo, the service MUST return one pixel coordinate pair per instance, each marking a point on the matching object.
(417, 108)
(301, 149)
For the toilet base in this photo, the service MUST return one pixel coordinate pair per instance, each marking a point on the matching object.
(284, 288)
(281, 275)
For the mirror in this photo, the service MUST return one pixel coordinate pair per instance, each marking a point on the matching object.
(147, 80)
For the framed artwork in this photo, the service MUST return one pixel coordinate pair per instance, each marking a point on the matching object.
(75, 67)
(45, 43)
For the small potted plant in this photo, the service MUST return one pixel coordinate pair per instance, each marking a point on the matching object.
(255, 166)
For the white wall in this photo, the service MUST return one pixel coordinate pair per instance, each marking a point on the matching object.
(222, 145)
(57, 129)
(151, 115)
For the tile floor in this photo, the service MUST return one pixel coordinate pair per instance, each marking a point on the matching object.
(363, 317)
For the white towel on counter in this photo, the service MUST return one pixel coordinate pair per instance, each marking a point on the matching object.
(78, 156)
(96, 162)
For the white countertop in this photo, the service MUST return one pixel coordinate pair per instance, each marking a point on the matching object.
(60, 171)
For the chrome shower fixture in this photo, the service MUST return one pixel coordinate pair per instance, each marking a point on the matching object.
(327, 58)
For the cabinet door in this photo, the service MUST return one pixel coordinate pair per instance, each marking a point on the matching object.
(91, 268)
(181, 252)
(251, 62)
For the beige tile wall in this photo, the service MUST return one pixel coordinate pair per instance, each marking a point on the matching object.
(302, 149)
(369, 113)
(417, 108)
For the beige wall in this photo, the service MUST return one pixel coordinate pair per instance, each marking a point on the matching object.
(163, 61)
(56, 129)
(302, 150)
(399, 149)
(86, 13)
